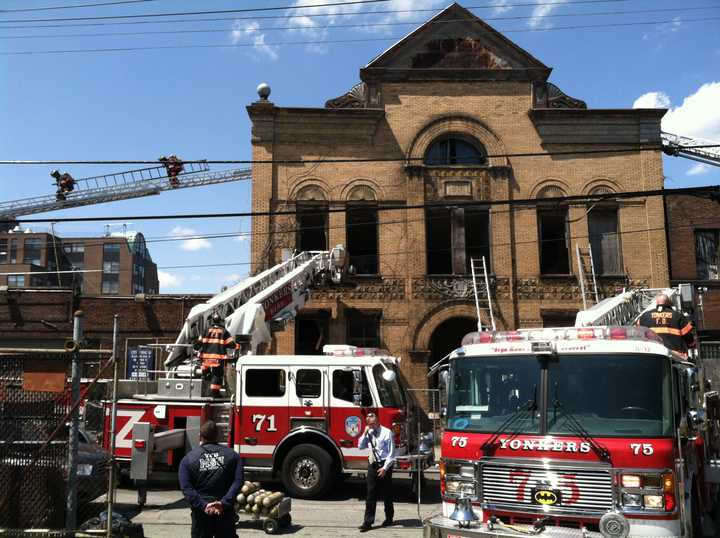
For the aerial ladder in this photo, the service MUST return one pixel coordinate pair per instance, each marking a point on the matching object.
(171, 174)
(691, 148)
(260, 304)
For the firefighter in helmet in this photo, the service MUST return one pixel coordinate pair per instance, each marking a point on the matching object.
(670, 325)
(65, 184)
(213, 349)
(174, 167)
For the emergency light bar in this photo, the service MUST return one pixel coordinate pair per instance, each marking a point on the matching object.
(572, 333)
(354, 351)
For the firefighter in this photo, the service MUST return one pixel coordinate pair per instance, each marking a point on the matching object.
(670, 325)
(212, 351)
(174, 167)
(65, 184)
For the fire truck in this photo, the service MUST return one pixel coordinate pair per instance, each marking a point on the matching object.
(289, 416)
(592, 430)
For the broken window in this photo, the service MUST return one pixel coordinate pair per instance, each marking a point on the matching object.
(707, 254)
(362, 238)
(554, 248)
(363, 328)
(311, 332)
(454, 237)
(605, 241)
(312, 222)
(454, 151)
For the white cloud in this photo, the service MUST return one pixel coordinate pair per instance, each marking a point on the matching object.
(652, 100)
(242, 237)
(250, 29)
(234, 278)
(501, 6)
(542, 11)
(168, 280)
(699, 114)
(698, 169)
(193, 242)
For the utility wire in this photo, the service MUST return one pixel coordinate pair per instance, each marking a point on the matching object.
(355, 25)
(75, 6)
(310, 15)
(713, 190)
(361, 160)
(341, 41)
(216, 11)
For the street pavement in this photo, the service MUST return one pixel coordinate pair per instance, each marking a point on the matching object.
(166, 514)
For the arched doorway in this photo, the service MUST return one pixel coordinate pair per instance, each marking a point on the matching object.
(446, 337)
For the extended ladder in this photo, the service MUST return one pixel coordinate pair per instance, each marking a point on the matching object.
(586, 275)
(475, 266)
(683, 146)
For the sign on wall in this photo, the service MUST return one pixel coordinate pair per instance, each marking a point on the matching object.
(140, 362)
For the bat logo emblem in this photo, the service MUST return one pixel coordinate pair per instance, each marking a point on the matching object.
(545, 497)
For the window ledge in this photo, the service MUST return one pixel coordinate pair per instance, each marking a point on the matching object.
(558, 277)
(367, 278)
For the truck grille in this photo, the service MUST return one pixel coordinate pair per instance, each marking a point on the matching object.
(513, 486)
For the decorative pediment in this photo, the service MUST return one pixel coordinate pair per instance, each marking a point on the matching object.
(455, 44)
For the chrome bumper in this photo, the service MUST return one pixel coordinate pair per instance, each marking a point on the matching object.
(443, 527)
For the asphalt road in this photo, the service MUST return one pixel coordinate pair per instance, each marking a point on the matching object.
(166, 514)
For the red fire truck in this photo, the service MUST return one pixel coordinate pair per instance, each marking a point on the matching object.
(594, 430)
(293, 417)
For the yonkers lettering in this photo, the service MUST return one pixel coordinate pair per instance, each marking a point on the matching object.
(546, 445)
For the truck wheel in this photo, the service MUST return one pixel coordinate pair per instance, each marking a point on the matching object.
(307, 471)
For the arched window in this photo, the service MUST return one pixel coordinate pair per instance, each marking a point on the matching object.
(453, 151)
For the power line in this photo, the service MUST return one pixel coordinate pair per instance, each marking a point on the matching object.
(710, 190)
(310, 15)
(211, 12)
(76, 6)
(340, 41)
(355, 25)
(361, 160)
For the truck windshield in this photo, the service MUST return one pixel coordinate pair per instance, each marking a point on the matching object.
(610, 395)
(391, 395)
(485, 392)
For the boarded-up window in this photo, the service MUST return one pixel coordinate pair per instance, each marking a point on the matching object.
(605, 241)
(554, 248)
(362, 238)
(312, 221)
(707, 254)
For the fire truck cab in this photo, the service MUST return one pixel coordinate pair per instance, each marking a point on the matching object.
(584, 431)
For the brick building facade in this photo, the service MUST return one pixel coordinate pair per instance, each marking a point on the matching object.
(117, 264)
(443, 108)
(693, 231)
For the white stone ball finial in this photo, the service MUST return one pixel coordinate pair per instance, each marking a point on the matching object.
(263, 91)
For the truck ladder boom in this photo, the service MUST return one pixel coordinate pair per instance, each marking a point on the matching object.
(682, 146)
(622, 309)
(122, 186)
(251, 306)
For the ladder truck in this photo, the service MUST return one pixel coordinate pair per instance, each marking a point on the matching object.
(596, 430)
(288, 416)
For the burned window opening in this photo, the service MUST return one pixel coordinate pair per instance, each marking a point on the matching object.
(362, 238)
(312, 223)
(605, 241)
(363, 328)
(554, 247)
(311, 332)
(454, 237)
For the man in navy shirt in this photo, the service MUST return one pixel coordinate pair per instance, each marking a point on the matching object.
(210, 478)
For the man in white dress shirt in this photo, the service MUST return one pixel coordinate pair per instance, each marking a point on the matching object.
(379, 474)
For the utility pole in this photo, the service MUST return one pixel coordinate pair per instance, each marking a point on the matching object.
(113, 417)
(71, 503)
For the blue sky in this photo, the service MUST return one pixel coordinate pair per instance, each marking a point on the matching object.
(191, 101)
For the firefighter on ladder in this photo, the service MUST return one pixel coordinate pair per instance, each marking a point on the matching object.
(64, 182)
(174, 167)
(670, 325)
(213, 349)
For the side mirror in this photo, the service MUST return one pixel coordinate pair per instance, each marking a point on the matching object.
(443, 385)
(357, 387)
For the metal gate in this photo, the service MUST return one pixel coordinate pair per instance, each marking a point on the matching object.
(32, 468)
(710, 355)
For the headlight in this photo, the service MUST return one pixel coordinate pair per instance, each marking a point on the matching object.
(632, 500)
(457, 487)
(460, 469)
(653, 502)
